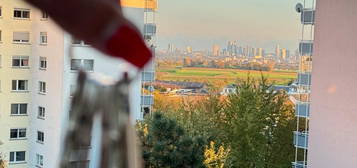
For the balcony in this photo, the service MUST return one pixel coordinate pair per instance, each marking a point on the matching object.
(150, 29)
(301, 140)
(299, 164)
(302, 109)
(147, 100)
(304, 79)
(308, 16)
(148, 76)
(306, 48)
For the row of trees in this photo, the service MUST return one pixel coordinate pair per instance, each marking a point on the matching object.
(249, 129)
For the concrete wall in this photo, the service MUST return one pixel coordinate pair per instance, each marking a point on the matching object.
(333, 126)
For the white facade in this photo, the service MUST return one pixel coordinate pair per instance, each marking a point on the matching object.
(58, 77)
(333, 121)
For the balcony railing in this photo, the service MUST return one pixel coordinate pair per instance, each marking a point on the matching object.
(148, 76)
(308, 16)
(147, 100)
(150, 29)
(306, 48)
(301, 140)
(299, 164)
(302, 109)
(304, 79)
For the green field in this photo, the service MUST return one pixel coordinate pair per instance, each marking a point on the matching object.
(221, 76)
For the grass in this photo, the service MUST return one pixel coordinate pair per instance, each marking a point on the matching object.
(221, 76)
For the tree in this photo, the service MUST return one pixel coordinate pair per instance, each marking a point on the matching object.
(166, 145)
(259, 125)
(2, 161)
(215, 158)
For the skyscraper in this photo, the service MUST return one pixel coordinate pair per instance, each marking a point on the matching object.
(277, 51)
(216, 50)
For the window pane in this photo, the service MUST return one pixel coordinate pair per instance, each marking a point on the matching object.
(16, 62)
(17, 13)
(20, 156)
(12, 156)
(14, 85)
(13, 133)
(22, 85)
(75, 64)
(25, 62)
(88, 65)
(22, 133)
(26, 14)
(23, 108)
(14, 108)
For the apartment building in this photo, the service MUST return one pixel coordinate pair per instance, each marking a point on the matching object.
(38, 77)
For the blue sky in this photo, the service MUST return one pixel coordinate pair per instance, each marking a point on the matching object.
(202, 23)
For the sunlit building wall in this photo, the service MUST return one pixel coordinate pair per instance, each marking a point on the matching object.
(34, 109)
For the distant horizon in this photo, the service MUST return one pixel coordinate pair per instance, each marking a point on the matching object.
(201, 24)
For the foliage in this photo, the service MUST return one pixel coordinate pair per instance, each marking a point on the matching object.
(254, 126)
(2, 161)
(259, 126)
(166, 145)
(215, 158)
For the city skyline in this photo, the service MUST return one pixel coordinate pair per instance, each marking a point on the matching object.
(202, 26)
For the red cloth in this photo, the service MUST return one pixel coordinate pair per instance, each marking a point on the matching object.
(128, 44)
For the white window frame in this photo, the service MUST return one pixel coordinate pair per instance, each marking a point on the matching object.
(43, 38)
(15, 153)
(41, 113)
(18, 133)
(17, 89)
(18, 110)
(22, 10)
(21, 59)
(39, 160)
(21, 41)
(40, 139)
(42, 87)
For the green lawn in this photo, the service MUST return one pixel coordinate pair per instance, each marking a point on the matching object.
(219, 75)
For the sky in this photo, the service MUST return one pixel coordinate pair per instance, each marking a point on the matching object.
(202, 23)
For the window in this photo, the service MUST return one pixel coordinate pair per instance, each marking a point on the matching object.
(19, 85)
(20, 61)
(18, 156)
(22, 13)
(43, 37)
(21, 37)
(0, 36)
(40, 137)
(18, 133)
(42, 87)
(19, 109)
(86, 64)
(41, 112)
(43, 63)
(39, 160)
(0, 11)
(79, 42)
(44, 15)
